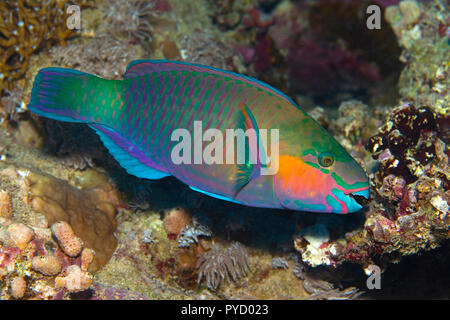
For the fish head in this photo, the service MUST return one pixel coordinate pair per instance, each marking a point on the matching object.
(319, 175)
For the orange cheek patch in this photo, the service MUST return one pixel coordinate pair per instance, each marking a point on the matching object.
(299, 179)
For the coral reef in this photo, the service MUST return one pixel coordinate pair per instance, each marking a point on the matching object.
(36, 268)
(90, 211)
(25, 26)
(58, 225)
(413, 171)
(424, 39)
(410, 196)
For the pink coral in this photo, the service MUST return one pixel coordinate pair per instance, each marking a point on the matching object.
(20, 235)
(75, 279)
(48, 264)
(69, 242)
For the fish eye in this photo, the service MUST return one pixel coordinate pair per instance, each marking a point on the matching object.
(326, 159)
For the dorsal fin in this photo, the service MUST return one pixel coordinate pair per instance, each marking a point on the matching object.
(142, 67)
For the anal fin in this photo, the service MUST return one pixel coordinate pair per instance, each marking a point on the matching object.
(133, 160)
(217, 196)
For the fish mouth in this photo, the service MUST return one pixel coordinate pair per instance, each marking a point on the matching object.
(361, 196)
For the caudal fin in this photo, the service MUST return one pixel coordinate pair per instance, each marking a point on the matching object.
(61, 94)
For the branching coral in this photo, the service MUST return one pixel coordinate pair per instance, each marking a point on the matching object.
(219, 265)
(24, 26)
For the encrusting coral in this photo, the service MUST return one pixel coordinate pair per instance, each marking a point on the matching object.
(90, 212)
(87, 213)
(410, 192)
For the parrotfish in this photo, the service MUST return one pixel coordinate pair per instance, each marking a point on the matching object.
(136, 117)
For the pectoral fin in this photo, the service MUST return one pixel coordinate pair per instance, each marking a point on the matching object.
(254, 157)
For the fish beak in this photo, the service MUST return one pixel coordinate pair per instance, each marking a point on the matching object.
(354, 200)
(361, 197)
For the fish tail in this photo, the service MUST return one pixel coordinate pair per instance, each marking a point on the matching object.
(63, 94)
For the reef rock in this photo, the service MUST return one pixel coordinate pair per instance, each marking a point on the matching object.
(90, 212)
